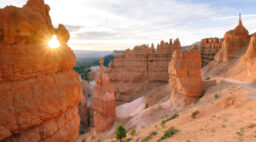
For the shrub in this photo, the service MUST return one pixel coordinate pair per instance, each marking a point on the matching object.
(207, 78)
(170, 132)
(162, 122)
(132, 132)
(172, 117)
(216, 96)
(149, 136)
(120, 132)
(146, 106)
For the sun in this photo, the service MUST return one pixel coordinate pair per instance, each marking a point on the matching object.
(54, 43)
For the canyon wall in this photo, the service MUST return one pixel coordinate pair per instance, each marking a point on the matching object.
(234, 41)
(209, 47)
(185, 78)
(39, 91)
(137, 71)
(103, 102)
(251, 56)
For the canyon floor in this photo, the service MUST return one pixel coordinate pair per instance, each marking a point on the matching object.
(225, 112)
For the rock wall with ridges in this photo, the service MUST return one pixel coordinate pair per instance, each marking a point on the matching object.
(130, 74)
(39, 91)
(209, 47)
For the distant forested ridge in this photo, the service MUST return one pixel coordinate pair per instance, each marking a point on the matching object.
(84, 63)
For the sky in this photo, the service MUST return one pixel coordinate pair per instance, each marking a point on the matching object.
(120, 24)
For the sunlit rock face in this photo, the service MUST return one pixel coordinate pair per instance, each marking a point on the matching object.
(39, 91)
(103, 102)
(185, 77)
(209, 47)
(234, 40)
(140, 69)
(251, 56)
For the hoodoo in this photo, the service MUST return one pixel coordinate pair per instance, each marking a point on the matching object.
(234, 40)
(103, 102)
(185, 78)
(39, 91)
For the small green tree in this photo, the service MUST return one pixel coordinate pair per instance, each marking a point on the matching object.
(120, 132)
(132, 132)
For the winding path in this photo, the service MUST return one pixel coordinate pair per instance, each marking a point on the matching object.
(243, 85)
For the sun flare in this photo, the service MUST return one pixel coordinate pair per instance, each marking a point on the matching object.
(54, 43)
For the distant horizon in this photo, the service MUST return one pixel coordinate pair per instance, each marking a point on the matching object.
(98, 25)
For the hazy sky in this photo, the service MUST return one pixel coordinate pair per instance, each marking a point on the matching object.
(121, 24)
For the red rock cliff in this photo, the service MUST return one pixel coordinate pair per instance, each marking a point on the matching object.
(39, 91)
(136, 71)
(209, 47)
(251, 56)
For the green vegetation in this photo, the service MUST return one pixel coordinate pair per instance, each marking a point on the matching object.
(170, 132)
(83, 65)
(241, 133)
(132, 132)
(207, 78)
(172, 117)
(216, 96)
(146, 106)
(168, 119)
(147, 138)
(162, 122)
(120, 132)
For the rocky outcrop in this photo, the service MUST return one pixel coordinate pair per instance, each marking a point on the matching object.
(132, 74)
(251, 56)
(185, 78)
(209, 47)
(103, 102)
(168, 48)
(234, 41)
(39, 91)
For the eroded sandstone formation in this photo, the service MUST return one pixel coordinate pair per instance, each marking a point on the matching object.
(251, 56)
(103, 102)
(234, 41)
(132, 74)
(209, 47)
(168, 48)
(185, 78)
(39, 91)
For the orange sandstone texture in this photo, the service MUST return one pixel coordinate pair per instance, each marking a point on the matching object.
(234, 40)
(103, 102)
(137, 70)
(209, 47)
(39, 91)
(251, 56)
(185, 77)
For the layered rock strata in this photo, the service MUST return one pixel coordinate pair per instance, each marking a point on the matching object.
(251, 56)
(185, 78)
(234, 41)
(209, 47)
(39, 91)
(103, 102)
(132, 74)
